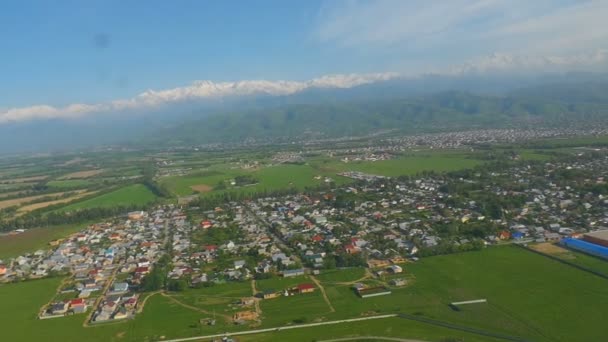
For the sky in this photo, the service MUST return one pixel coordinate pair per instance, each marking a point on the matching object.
(73, 57)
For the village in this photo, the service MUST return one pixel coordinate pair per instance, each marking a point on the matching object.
(377, 223)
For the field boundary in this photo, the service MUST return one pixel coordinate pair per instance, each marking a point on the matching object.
(566, 262)
(461, 328)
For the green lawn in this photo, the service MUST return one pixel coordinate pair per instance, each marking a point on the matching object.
(34, 239)
(390, 327)
(301, 176)
(345, 275)
(410, 165)
(528, 295)
(136, 194)
(269, 178)
(585, 260)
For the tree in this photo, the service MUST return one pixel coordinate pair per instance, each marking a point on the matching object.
(177, 285)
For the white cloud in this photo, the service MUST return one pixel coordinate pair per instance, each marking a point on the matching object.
(198, 90)
(479, 26)
(503, 62)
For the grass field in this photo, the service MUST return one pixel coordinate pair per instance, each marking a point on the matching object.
(34, 239)
(345, 275)
(528, 295)
(301, 176)
(408, 165)
(136, 194)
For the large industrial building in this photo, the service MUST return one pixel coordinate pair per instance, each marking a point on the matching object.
(599, 237)
(586, 247)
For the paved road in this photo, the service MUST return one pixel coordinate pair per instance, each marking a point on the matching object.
(259, 331)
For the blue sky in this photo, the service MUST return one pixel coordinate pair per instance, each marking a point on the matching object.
(59, 53)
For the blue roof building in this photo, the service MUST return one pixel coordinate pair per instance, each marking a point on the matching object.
(586, 247)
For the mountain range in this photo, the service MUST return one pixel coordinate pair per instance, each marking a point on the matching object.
(330, 106)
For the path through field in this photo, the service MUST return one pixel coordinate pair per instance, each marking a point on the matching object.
(258, 310)
(316, 281)
(173, 299)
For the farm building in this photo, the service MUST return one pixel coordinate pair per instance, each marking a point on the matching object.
(373, 292)
(293, 273)
(269, 294)
(599, 237)
(586, 247)
(306, 288)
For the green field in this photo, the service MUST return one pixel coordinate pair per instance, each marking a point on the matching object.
(269, 178)
(585, 260)
(301, 176)
(344, 275)
(34, 239)
(409, 165)
(136, 194)
(528, 295)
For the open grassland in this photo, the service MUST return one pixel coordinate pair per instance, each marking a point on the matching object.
(287, 176)
(269, 178)
(34, 239)
(528, 296)
(136, 194)
(408, 165)
(341, 275)
(163, 318)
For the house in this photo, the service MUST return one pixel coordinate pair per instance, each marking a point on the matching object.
(279, 256)
(552, 237)
(59, 308)
(517, 235)
(206, 224)
(142, 270)
(394, 269)
(122, 313)
(89, 284)
(78, 305)
(120, 287)
(317, 238)
(269, 294)
(3, 269)
(131, 303)
(238, 264)
(293, 273)
(306, 288)
(504, 235)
